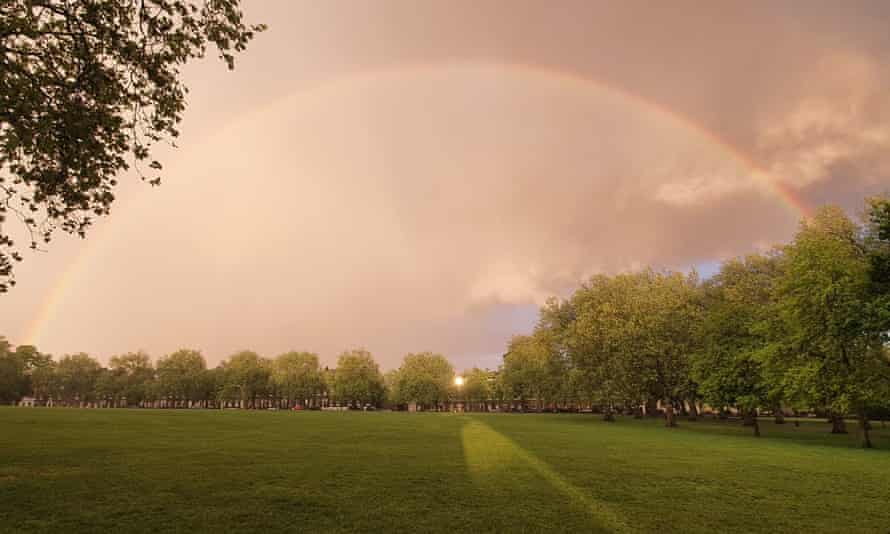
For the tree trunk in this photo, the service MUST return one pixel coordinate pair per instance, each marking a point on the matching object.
(756, 427)
(749, 417)
(864, 427)
(681, 408)
(838, 425)
(651, 407)
(608, 415)
(779, 415)
(669, 420)
(693, 411)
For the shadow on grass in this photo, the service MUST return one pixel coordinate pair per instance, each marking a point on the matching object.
(810, 432)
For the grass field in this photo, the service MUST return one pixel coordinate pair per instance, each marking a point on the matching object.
(72, 470)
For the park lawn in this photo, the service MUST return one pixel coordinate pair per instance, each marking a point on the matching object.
(79, 470)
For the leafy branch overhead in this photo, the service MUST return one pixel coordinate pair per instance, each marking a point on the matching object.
(87, 88)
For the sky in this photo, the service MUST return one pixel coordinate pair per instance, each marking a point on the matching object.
(420, 176)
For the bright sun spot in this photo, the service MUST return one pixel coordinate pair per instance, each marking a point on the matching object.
(458, 381)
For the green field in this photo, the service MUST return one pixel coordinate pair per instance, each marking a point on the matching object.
(73, 470)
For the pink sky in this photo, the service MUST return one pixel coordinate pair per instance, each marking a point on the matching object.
(410, 176)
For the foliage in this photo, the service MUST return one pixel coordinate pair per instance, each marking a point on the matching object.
(182, 376)
(357, 380)
(133, 373)
(523, 371)
(17, 369)
(297, 376)
(632, 336)
(245, 377)
(877, 244)
(86, 90)
(76, 377)
(478, 385)
(831, 353)
(604, 340)
(739, 300)
(12, 374)
(423, 378)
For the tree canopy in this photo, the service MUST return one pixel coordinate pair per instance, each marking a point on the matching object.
(297, 376)
(357, 379)
(424, 378)
(728, 367)
(831, 349)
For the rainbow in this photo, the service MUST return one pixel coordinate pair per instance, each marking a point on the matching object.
(786, 194)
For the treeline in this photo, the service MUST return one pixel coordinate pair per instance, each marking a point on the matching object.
(247, 380)
(183, 380)
(803, 327)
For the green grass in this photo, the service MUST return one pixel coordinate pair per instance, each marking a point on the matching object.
(71, 470)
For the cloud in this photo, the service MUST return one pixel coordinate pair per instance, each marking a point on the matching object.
(838, 120)
(407, 177)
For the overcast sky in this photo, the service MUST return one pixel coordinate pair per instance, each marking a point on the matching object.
(421, 175)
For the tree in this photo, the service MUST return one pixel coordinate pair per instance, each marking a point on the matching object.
(670, 312)
(357, 380)
(728, 367)
(425, 379)
(86, 89)
(878, 211)
(478, 387)
(77, 375)
(17, 368)
(391, 387)
(831, 351)
(327, 382)
(246, 378)
(877, 243)
(44, 378)
(604, 342)
(632, 337)
(133, 373)
(181, 377)
(525, 369)
(297, 376)
(13, 381)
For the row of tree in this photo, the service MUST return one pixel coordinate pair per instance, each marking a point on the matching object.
(803, 326)
(182, 379)
(246, 380)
